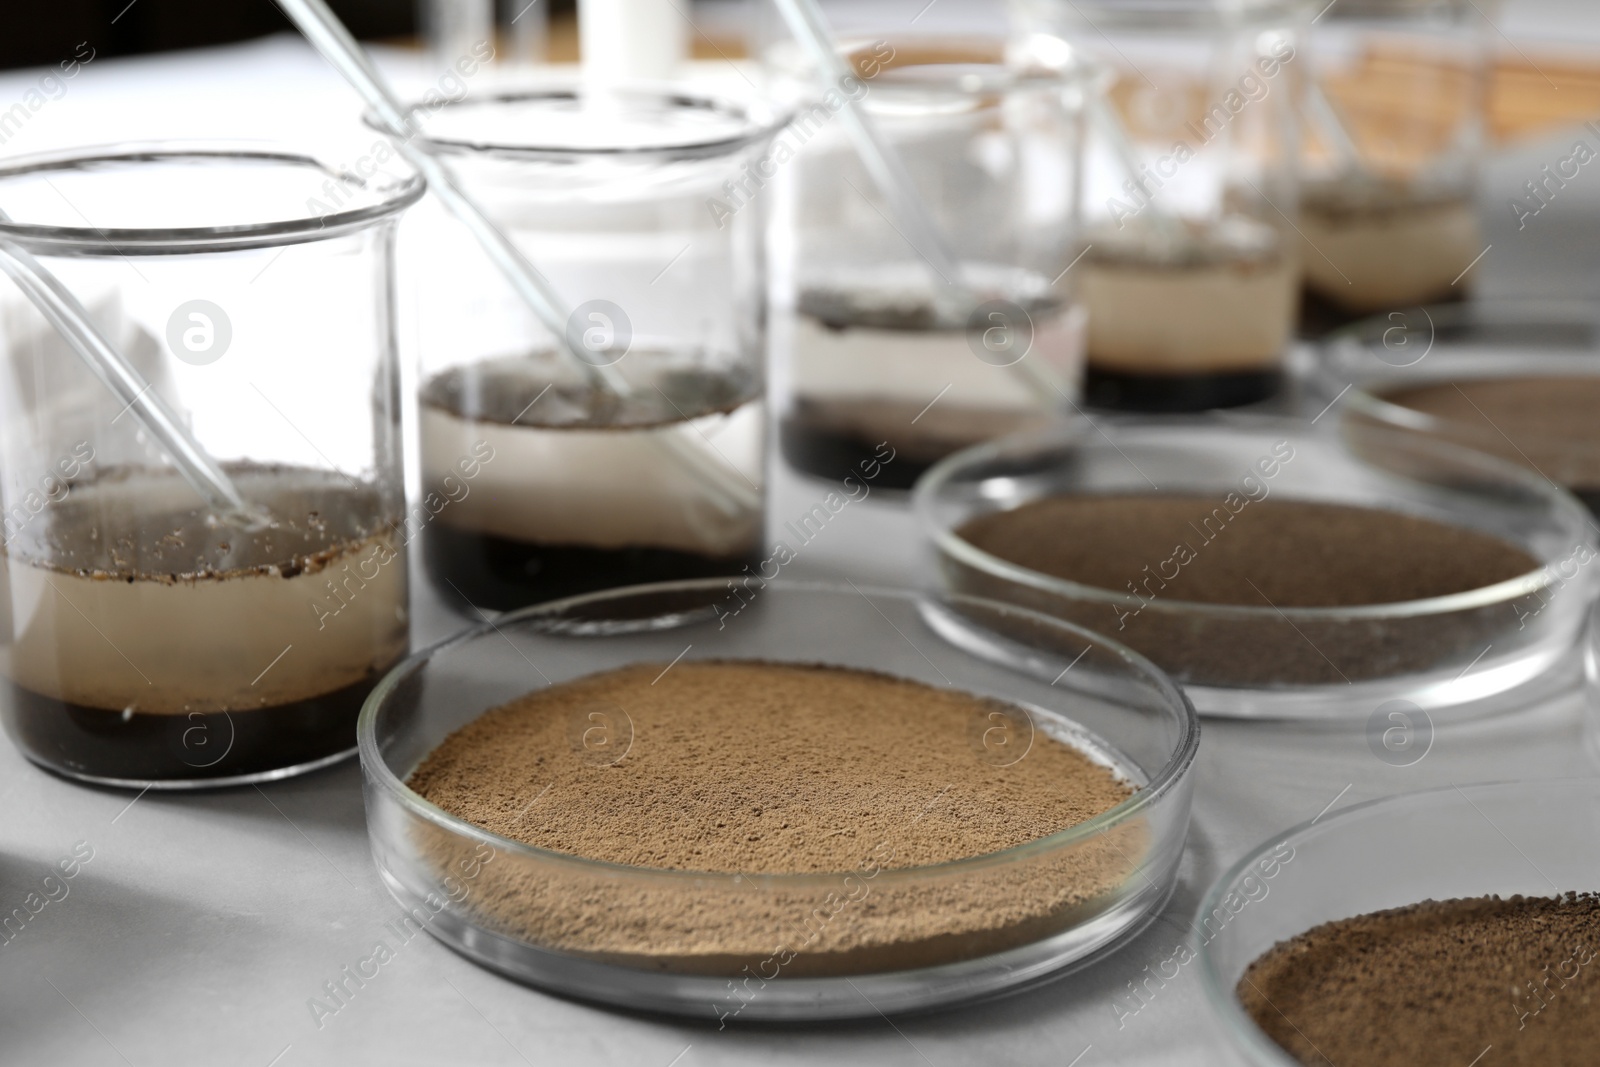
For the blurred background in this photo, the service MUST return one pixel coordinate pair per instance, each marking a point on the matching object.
(45, 32)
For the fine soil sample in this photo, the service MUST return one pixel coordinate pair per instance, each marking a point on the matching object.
(1547, 424)
(1291, 553)
(880, 362)
(1156, 556)
(146, 640)
(578, 493)
(1375, 244)
(1486, 981)
(760, 768)
(1184, 317)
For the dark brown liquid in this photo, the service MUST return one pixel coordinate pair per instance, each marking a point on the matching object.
(97, 743)
(501, 573)
(834, 454)
(837, 437)
(1164, 393)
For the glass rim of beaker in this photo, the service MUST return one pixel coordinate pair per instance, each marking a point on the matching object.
(1177, 15)
(391, 196)
(761, 120)
(993, 70)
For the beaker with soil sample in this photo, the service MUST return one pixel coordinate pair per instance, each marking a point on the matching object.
(631, 449)
(1395, 127)
(147, 638)
(1190, 259)
(878, 348)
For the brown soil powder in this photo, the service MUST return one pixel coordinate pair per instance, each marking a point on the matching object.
(759, 768)
(1485, 981)
(1157, 555)
(1297, 553)
(1546, 424)
(764, 768)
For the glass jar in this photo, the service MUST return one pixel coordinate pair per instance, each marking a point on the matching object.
(1395, 132)
(1190, 259)
(144, 638)
(882, 360)
(622, 199)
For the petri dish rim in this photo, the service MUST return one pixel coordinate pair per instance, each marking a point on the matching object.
(1344, 343)
(1171, 773)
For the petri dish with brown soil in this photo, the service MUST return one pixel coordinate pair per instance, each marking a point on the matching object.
(572, 491)
(1431, 928)
(778, 801)
(1185, 316)
(148, 643)
(1517, 380)
(1273, 570)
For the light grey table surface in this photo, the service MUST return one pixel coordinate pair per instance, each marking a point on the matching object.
(204, 923)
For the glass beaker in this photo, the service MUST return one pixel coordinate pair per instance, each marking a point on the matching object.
(1395, 132)
(145, 639)
(883, 361)
(1190, 259)
(653, 472)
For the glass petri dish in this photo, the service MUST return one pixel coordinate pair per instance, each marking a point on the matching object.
(1533, 838)
(597, 931)
(1291, 663)
(1521, 345)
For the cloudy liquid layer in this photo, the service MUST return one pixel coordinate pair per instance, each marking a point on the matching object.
(1386, 249)
(1199, 318)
